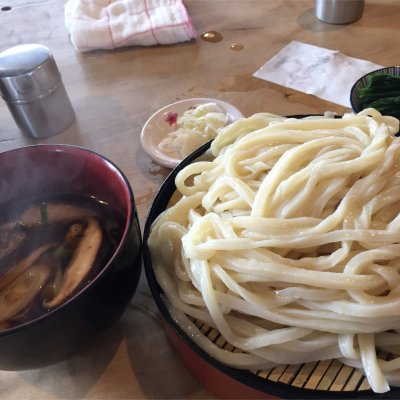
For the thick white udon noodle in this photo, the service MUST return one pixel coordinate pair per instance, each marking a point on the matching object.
(288, 243)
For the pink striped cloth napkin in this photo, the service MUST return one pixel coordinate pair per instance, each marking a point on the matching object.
(109, 24)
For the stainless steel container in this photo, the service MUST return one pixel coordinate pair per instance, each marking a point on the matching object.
(339, 11)
(31, 85)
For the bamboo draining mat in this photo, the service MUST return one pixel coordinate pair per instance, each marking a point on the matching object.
(328, 375)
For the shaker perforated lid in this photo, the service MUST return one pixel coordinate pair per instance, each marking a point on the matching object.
(27, 72)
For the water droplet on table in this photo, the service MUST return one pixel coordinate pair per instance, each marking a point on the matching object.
(237, 47)
(211, 36)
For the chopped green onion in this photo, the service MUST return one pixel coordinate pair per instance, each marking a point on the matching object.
(43, 213)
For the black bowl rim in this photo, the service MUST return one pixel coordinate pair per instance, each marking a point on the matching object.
(245, 377)
(355, 88)
(130, 220)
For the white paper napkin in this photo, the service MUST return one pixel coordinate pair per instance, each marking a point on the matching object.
(108, 24)
(327, 74)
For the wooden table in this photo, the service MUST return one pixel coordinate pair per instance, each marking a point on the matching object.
(114, 92)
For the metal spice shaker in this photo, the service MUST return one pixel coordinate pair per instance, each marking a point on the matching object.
(31, 85)
(339, 11)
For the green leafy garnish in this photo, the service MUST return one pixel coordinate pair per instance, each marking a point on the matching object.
(382, 92)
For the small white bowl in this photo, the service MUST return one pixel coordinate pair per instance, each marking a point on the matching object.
(157, 127)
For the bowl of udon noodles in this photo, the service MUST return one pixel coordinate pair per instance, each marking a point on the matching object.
(70, 252)
(272, 253)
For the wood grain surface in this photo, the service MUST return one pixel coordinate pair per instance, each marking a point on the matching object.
(113, 94)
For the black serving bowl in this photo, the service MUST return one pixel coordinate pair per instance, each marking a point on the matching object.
(363, 82)
(70, 327)
(323, 380)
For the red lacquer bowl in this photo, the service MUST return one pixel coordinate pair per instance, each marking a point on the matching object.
(323, 380)
(63, 331)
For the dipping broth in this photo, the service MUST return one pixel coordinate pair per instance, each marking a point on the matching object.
(49, 250)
